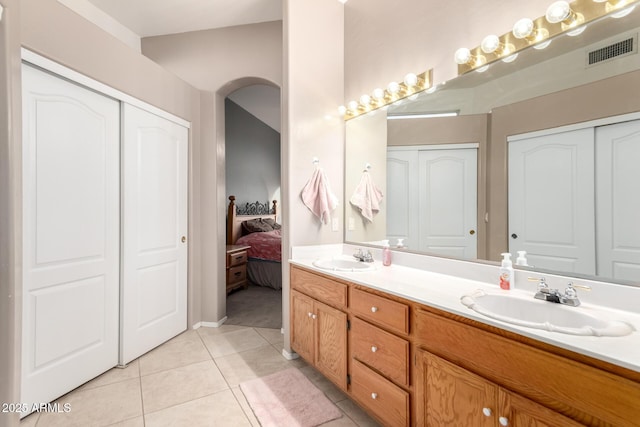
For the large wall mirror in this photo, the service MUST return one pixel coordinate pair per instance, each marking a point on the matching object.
(505, 173)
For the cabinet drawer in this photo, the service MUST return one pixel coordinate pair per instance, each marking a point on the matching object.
(386, 400)
(391, 314)
(236, 274)
(321, 288)
(236, 258)
(381, 350)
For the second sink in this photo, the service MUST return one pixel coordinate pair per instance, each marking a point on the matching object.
(549, 316)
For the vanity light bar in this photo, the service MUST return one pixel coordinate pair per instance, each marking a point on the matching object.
(411, 85)
(538, 32)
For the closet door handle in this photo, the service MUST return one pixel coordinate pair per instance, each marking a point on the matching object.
(184, 239)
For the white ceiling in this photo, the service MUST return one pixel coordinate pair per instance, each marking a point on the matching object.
(135, 19)
(157, 17)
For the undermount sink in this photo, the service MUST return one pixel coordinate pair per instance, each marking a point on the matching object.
(533, 313)
(343, 264)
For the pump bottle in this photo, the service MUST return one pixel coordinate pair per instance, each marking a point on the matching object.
(386, 253)
(506, 272)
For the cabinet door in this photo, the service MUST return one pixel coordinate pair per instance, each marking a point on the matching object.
(302, 323)
(448, 395)
(331, 343)
(517, 411)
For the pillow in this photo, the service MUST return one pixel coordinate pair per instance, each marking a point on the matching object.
(259, 225)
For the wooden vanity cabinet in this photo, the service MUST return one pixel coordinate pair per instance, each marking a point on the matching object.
(318, 330)
(380, 351)
(448, 395)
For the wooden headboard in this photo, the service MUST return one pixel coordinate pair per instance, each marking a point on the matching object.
(248, 211)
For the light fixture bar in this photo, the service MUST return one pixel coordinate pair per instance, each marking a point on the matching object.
(411, 85)
(540, 31)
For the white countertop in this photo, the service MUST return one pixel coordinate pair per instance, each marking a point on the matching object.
(444, 291)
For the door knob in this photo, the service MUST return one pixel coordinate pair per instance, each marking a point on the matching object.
(184, 239)
(472, 232)
(514, 235)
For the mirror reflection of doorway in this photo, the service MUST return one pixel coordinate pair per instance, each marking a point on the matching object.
(253, 175)
(432, 198)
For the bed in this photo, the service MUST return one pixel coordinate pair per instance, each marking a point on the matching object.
(254, 225)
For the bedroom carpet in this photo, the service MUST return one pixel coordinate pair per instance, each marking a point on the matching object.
(256, 306)
(288, 398)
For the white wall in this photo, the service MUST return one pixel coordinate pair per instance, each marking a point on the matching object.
(385, 40)
(218, 62)
(313, 88)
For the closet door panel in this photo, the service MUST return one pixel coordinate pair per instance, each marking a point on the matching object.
(154, 188)
(70, 235)
(618, 200)
(551, 193)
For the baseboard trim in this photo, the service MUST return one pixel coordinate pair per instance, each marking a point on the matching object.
(290, 355)
(214, 324)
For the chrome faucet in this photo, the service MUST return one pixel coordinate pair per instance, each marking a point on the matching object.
(569, 297)
(363, 256)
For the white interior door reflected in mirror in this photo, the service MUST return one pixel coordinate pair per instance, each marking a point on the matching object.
(551, 191)
(435, 198)
(618, 207)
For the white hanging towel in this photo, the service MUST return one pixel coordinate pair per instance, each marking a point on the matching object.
(318, 197)
(367, 197)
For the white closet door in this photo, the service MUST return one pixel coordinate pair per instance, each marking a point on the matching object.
(448, 202)
(618, 200)
(71, 138)
(402, 200)
(551, 193)
(154, 187)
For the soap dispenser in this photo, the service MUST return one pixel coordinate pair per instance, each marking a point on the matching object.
(506, 272)
(522, 258)
(386, 253)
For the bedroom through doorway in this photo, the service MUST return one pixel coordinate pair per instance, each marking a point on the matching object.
(253, 176)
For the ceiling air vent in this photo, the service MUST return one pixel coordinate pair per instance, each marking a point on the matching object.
(614, 50)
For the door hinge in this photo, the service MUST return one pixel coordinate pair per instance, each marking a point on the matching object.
(348, 379)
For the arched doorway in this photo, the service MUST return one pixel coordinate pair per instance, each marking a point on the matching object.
(253, 175)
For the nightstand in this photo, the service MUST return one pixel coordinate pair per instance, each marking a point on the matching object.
(236, 267)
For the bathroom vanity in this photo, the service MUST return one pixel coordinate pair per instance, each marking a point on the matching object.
(398, 341)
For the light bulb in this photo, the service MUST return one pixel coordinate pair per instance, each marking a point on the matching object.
(523, 28)
(365, 100)
(482, 69)
(510, 58)
(542, 45)
(490, 44)
(378, 94)
(410, 80)
(623, 12)
(342, 110)
(558, 12)
(577, 31)
(393, 88)
(353, 106)
(462, 56)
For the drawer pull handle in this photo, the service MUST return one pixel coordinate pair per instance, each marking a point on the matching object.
(237, 273)
(239, 257)
(313, 316)
(374, 349)
(374, 309)
(504, 421)
(486, 412)
(374, 396)
(309, 314)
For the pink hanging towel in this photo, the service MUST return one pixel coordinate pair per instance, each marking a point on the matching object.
(367, 197)
(318, 197)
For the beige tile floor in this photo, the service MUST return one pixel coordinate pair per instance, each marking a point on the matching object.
(192, 380)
